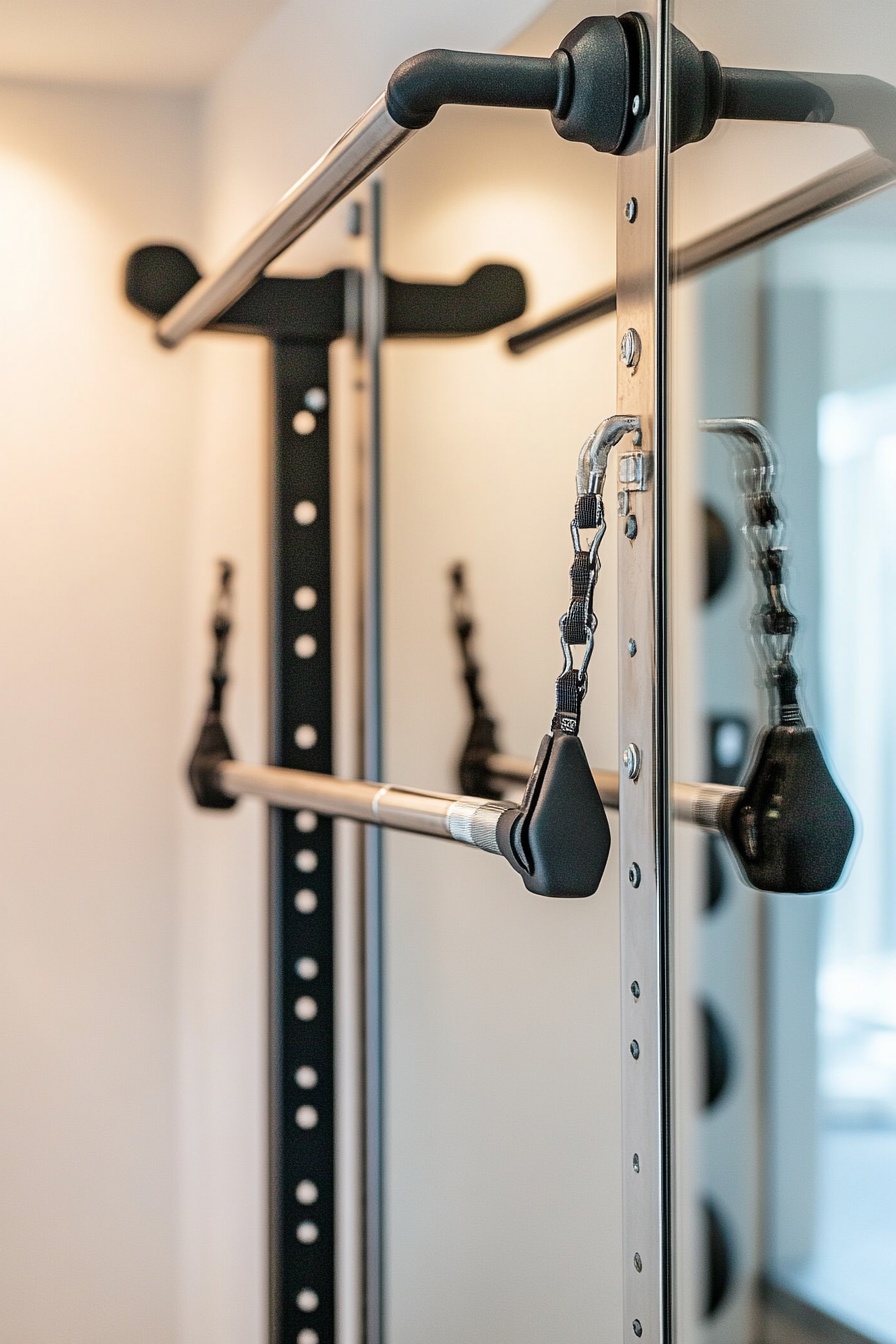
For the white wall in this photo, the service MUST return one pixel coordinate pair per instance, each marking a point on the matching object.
(95, 450)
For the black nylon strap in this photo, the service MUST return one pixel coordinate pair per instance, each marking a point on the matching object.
(580, 575)
(586, 511)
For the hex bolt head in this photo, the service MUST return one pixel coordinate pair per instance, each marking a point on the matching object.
(634, 875)
(635, 1049)
(631, 209)
(630, 349)
(631, 761)
(636, 1326)
(631, 527)
(639, 1264)
(632, 648)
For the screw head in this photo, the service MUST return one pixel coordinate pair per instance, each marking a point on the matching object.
(631, 209)
(631, 761)
(639, 1265)
(630, 349)
(635, 1049)
(636, 1326)
(636, 104)
(636, 990)
(634, 875)
(632, 648)
(631, 527)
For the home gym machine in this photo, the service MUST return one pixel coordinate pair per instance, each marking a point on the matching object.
(636, 88)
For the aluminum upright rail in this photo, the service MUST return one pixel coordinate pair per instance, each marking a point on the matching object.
(346, 164)
(699, 804)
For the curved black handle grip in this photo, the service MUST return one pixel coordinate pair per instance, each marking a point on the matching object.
(559, 839)
(202, 772)
(791, 829)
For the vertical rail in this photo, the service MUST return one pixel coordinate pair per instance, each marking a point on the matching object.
(302, 1110)
(643, 667)
(374, 329)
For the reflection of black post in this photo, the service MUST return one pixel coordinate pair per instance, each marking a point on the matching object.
(482, 742)
(213, 745)
(301, 317)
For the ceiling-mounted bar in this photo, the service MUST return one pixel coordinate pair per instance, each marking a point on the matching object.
(860, 177)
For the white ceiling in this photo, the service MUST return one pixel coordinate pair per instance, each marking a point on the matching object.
(172, 43)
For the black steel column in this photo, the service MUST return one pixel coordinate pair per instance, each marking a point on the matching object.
(302, 1139)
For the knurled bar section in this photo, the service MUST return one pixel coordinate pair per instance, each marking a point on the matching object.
(302, 1121)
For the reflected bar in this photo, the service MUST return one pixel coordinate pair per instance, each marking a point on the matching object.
(699, 804)
(852, 181)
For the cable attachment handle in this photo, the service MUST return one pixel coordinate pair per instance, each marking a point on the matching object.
(213, 746)
(559, 838)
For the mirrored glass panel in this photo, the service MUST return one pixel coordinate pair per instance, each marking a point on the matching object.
(784, 443)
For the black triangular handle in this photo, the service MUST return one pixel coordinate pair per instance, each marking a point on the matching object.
(558, 840)
(791, 828)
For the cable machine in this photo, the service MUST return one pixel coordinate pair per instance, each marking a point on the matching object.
(636, 88)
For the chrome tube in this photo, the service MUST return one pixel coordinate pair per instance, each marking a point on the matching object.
(344, 166)
(471, 821)
(699, 804)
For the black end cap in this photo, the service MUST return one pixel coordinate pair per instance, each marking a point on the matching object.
(157, 277)
(559, 842)
(211, 749)
(791, 829)
(696, 91)
(597, 104)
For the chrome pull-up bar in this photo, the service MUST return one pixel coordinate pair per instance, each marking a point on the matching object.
(471, 821)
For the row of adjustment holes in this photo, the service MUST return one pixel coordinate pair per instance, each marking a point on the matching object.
(305, 599)
(636, 1161)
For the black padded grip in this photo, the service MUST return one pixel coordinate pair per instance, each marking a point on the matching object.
(211, 749)
(791, 829)
(425, 82)
(559, 840)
